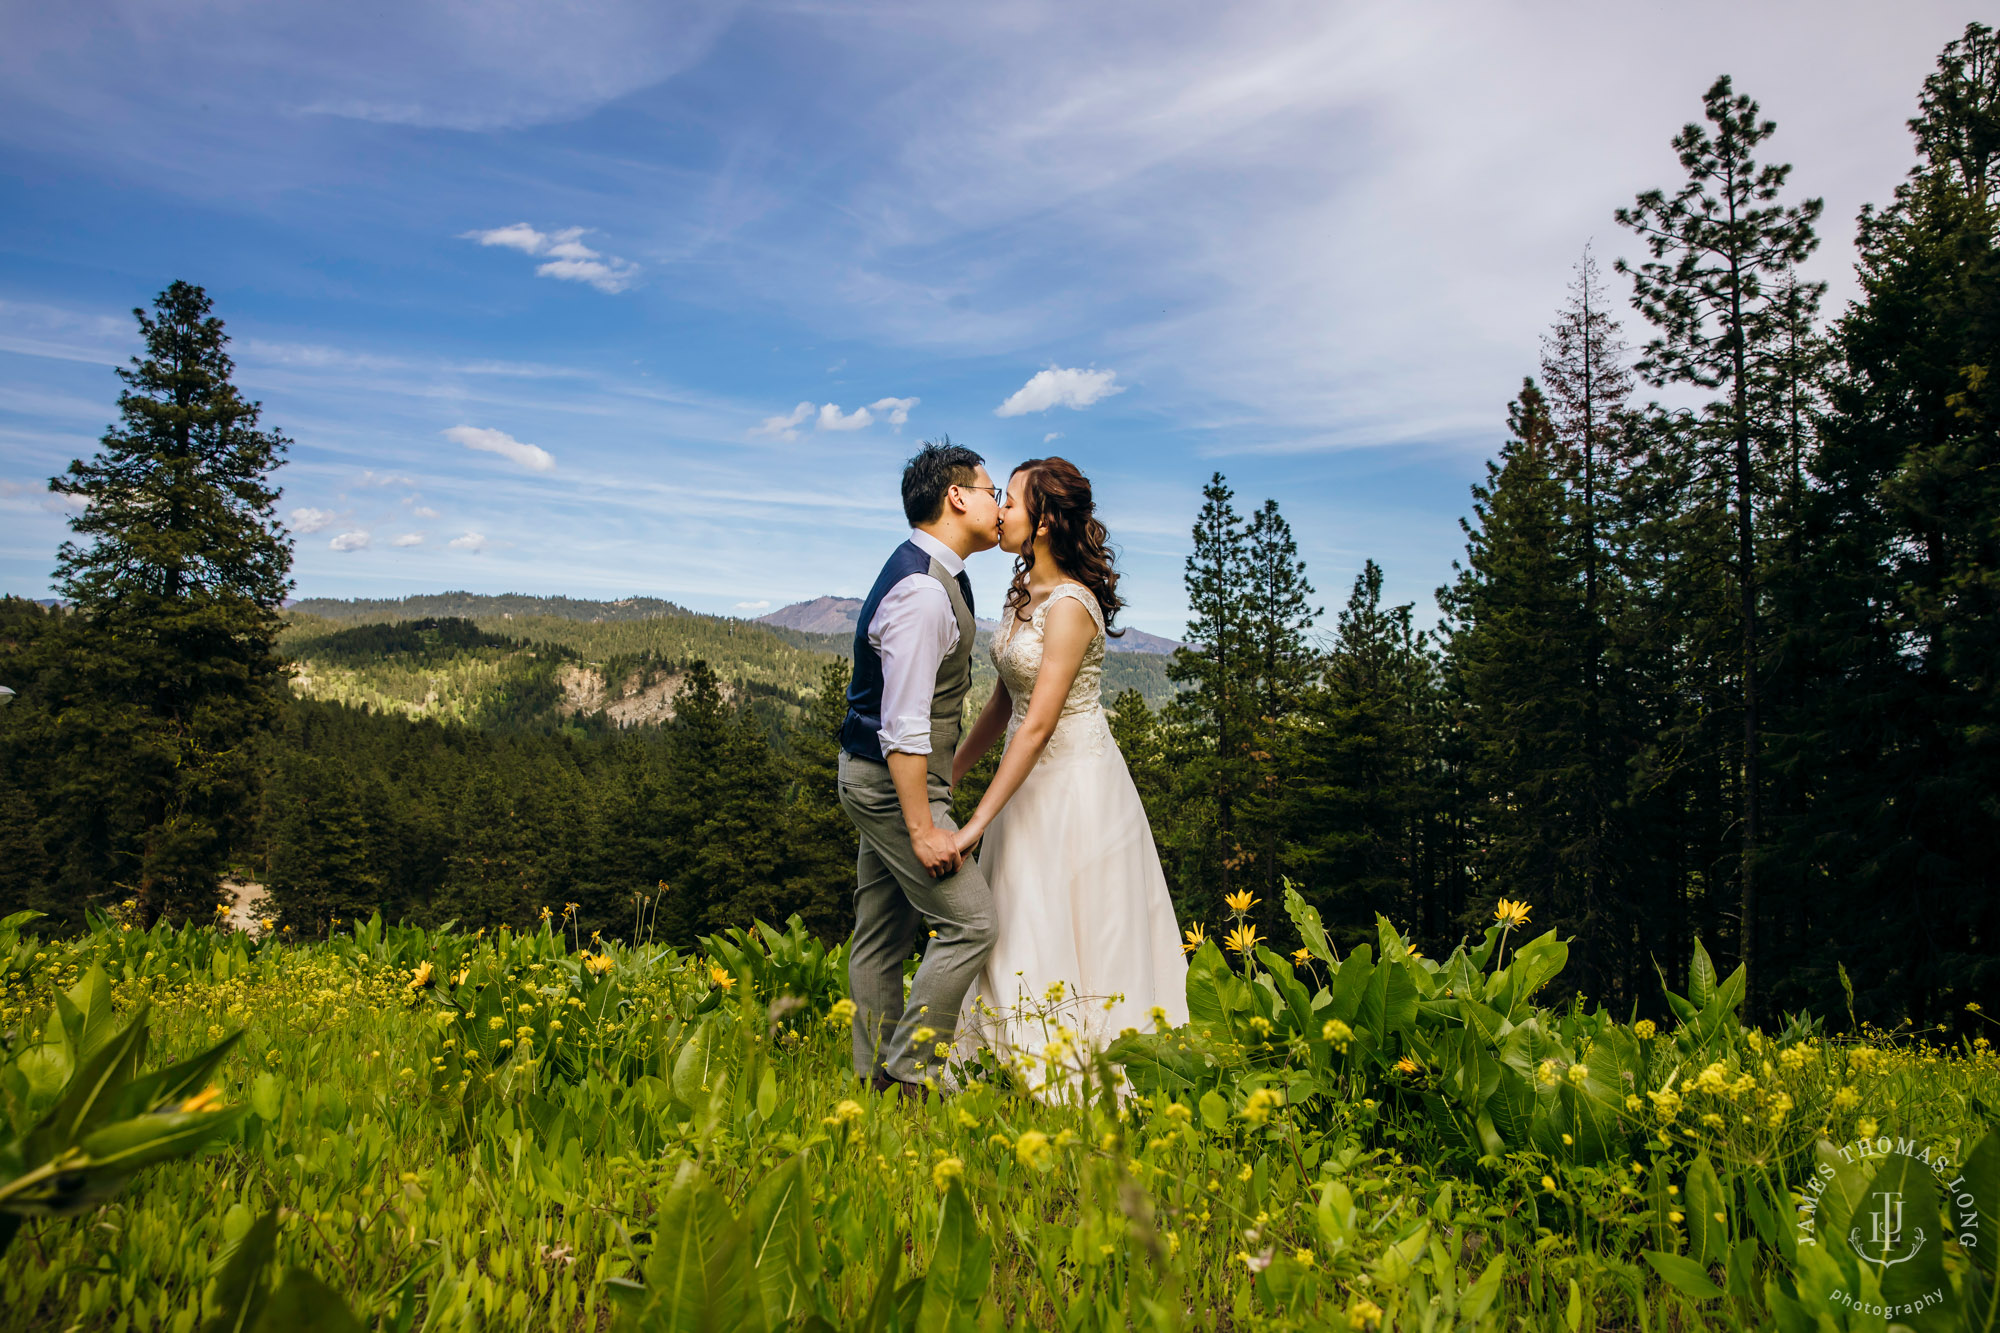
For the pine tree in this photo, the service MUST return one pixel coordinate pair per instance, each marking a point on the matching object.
(1892, 729)
(177, 581)
(1358, 800)
(1516, 646)
(1280, 661)
(1215, 713)
(1718, 244)
(820, 842)
(1588, 387)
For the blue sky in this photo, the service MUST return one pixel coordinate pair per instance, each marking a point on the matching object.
(591, 298)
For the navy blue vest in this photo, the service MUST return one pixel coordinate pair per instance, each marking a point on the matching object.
(859, 732)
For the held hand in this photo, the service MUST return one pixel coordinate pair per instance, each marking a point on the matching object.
(936, 849)
(968, 838)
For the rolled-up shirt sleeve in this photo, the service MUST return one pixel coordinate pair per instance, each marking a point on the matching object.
(913, 629)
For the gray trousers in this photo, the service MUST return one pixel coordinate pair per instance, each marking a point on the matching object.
(897, 907)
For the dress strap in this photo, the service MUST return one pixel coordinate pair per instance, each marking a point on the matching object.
(1080, 593)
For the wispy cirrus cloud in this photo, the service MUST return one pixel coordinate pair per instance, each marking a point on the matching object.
(564, 255)
(530, 456)
(1058, 387)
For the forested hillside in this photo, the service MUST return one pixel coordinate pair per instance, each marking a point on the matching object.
(554, 662)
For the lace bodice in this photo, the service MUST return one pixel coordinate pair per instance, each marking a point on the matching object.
(1017, 656)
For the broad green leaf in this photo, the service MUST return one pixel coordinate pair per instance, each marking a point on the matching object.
(1214, 1110)
(1153, 1062)
(304, 1304)
(93, 1091)
(1479, 1297)
(1684, 1275)
(1213, 989)
(1350, 983)
(129, 1145)
(784, 1248)
(1311, 932)
(239, 1291)
(1707, 1213)
(89, 1008)
(698, 1275)
(1701, 977)
(176, 1082)
(699, 1063)
(961, 1267)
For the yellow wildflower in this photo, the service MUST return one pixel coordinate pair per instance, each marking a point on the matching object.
(598, 964)
(422, 977)
(1336, 1032)
(1179, 1113)
(1865, 1127)
(1666, 1105)
(1578, 1073)
(1239, 902)
(1510, 913)
(1364, 1316)
(722, 977)
(1262, 1102)
(946, 1171)
(1302, 955)
(846, 1110)
(841, 1014)
(1195, 938)
(1845, 1098)
(1408, 1065)
(1242, 940)
(1033, 1150)
(205, 1100)
(1644, 1029)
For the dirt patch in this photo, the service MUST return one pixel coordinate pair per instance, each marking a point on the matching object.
(633, 703)
(247, 905)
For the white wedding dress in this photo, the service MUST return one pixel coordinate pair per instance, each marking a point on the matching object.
(1079, 898)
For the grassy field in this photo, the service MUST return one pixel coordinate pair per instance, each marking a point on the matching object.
(400, 1129)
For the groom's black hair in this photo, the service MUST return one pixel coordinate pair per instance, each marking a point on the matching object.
(937, 467)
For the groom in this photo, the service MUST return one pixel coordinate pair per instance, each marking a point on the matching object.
(912, 669)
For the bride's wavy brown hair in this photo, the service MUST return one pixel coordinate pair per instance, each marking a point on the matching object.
(1057, 494)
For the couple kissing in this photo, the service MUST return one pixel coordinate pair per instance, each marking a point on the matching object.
(1046, 917)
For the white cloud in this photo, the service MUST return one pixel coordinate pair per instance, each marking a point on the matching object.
(753, 606)
(532, 457)
(569, 259)
(1052, 437)
(408, 539)
(784, 427)
(831, 419)
(370, 477)
(471, 541)
(349, 541)
(1058, 387)
(425, 511)
(898, 409)
(312, 520)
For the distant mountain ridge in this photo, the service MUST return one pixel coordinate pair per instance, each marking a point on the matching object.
(471, 606)
(838, 615)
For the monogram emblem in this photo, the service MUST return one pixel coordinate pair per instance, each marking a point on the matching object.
(1885, 1233)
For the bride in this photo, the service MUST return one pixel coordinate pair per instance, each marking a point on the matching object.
(1087, 945)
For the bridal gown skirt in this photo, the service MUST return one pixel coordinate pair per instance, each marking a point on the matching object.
(1079, 899)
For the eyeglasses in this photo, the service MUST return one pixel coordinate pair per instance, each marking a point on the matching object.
(998, 495)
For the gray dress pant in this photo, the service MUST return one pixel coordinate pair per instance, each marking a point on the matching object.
(897, 907)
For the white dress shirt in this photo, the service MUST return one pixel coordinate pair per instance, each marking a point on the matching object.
(913, 630)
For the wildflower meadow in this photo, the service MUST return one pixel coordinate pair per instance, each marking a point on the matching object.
(404, 1129)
